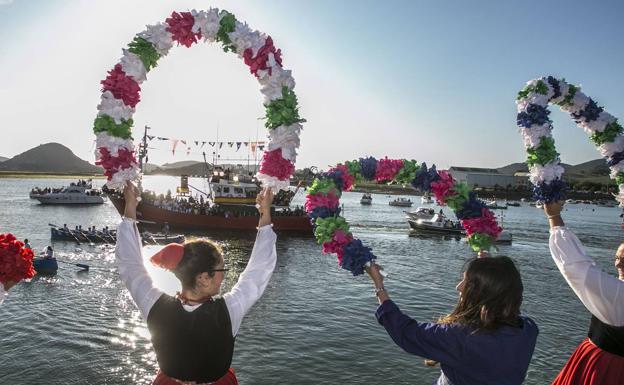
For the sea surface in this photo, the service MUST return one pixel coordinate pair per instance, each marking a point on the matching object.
(315, 323)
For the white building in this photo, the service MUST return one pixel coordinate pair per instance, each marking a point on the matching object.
(486, 177)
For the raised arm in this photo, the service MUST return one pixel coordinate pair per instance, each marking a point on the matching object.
(601, 293)
(129, 255)
(254, 280)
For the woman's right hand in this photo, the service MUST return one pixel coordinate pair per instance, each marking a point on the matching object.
(375, 274)
(553, 212)
(131, 196)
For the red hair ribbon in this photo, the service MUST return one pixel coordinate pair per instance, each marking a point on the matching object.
(169, 257)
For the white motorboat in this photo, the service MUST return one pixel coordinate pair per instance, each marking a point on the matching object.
(437, 224)
(72, 195)
(401, 202)
(366, 199)
(504, 238)
(420, 213)
(426, 199)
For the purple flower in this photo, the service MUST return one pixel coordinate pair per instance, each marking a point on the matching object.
(355, 257)
(589, 113)
(534, 114)
(368, 167)
(550, 192)
(471, 208)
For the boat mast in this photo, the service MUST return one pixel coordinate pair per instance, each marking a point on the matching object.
(143, 153)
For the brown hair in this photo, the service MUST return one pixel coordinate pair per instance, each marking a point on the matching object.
(491, 296)
(199, 256)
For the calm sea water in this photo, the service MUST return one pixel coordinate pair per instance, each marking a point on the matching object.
(315, 323)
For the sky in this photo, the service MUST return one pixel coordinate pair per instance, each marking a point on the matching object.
(433, 81)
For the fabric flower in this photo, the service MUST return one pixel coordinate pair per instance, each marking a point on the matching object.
(546, 173)
(323, 212)
(335, 246)
(549, 191)
(272, 85)
(368, 168)
(275, 165)
(181, 28)
(159, 37)
(286, 138)
(15, 260)
(122, 86)
(532, 136)
(387, 169)
(485, 224)
(356, 256)
(261, 59)
(442, 187)
(206, 23)
(112, 143)
(132, 65)
(245, 38)
(326, 227)
(321, 200)
(113, 164)
(115, 108)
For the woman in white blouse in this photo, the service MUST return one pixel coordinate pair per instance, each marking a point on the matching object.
(599, 359)
(193, 333)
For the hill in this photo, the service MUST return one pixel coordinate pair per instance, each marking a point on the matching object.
(2, 158)
(596, 167)
(49, 158)
(184, 163)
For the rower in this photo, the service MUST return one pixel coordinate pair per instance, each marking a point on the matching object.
(65, 228)
(49, 253)
(26, 244)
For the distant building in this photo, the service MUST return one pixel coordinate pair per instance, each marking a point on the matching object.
(486, 177)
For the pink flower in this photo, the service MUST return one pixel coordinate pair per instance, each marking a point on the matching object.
(260, 62)
(113, 164)
(485, 224)
(347, 179)
(387, 169)
(181, 28)
(321, 200)
(339, 240)
(442, 187)
(273, 164)
(122, 86)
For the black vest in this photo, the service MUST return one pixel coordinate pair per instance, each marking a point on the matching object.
(191, 346)
(606, 337)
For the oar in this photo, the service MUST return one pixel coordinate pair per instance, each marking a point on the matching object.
(80, 265)
(70, 232)
(87, 238)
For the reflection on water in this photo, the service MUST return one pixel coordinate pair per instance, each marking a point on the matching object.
(315, 323)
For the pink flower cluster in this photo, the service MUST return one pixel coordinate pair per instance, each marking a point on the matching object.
(273, 164)
(486, 224)
(321, 200)
(442, 187)
(347, 179)
(339, 240)
(122, 86)
(113, 164)
(260, 62)
(181, 28)
(15, 260)
(387, 169)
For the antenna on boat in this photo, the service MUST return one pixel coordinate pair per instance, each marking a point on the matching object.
(143, 152)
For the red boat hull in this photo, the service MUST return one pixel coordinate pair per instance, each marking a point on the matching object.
(184, 221)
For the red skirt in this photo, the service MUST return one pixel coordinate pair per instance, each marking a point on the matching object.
(590, 365)
(228, 379)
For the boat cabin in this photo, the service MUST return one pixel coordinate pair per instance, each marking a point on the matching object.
(234, 192)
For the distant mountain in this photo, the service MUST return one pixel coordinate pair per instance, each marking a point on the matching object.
(592, 168)
(2, 158)
(180, 164)
(197, 168)
(513, 168)
(50, 158)
(150, 168)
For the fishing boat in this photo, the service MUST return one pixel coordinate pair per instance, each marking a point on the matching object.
(366, 199)
(401, 202)
(71, 195)
(426, 199)
(420, 213)
(45, 266)
(59, 234)
(493, 205)
(512, 204)
(437, 224)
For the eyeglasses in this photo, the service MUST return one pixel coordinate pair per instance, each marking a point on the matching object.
(224, 269)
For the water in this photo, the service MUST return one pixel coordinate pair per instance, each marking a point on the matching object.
(315, 323)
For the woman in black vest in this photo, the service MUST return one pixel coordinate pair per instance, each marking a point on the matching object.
(599, 359)
(193, 333)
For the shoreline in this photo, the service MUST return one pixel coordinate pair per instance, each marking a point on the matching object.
(44, 175)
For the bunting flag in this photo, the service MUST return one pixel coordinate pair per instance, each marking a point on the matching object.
(161, 138)
(150, 137)
(220, 145)
(238, 144)
(203, 144)
(230, 144)
(246, 143)
(175, 144)
(211, 144)
(260, 148)
(253, 146)
(196, 143)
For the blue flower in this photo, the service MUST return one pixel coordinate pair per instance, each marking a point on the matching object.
(554, 83)
(471, 208)
(553, 191)
(424, 177)
(336, 176)
(589, 113)
(534, 114)
(323, 212)
(355, 257)
(368, 167)
(615, 159)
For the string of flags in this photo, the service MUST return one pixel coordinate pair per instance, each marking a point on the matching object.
(199, 144)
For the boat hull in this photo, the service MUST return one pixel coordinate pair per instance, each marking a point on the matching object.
(158, 239)
(60, 199)
(45, 266)
(416, 225)
(150, 214)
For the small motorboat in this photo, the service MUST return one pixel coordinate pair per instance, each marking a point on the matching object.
(504, 238)
(420, 213)
(45, 266)
(401, 202)
(493, 205)
(71, 195)
(437, 224)
(366, 199)
(512, 204)
(426, 199)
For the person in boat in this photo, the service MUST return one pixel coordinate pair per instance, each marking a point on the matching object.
(599, 359)
(65, 228)
(26, 244)
(166, 229)
(484, 341)
(193, 333)
(48, 253)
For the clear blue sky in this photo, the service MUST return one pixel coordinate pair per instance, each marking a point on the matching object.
(430, 80)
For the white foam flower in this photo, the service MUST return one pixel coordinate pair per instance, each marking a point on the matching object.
(115, 108)
(578, 103)
(118, 180)
(207, 22)
(272, 182)
(532, 135)
(287, 139)
(564, 88)
(598, 125)
(272, 85)
(546, 173)
(159, 37)
(272, 64)
(616, 169)
(244, 37)
(132, 65)
(112, 143)
(608, 149)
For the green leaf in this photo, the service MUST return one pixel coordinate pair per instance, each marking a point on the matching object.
(227, 25)
(544, 153)
(105, 123)
(607, 135)
(283, 111)
(145, 51)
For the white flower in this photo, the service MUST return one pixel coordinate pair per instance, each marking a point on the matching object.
(532, 135)
(598, 125)
(207, 22)
(608, 149)
(115, 108)
(272, 182)
(563, 89)
(118, 181)
(159, 37)
(546, 173)
(111, 143)
(243, 37)
(272, 85)
(578, 103)
(286, 138)
(132, 65)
